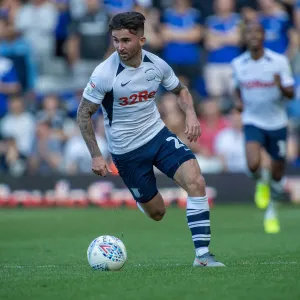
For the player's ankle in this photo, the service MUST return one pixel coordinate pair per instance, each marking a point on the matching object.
(201, 251)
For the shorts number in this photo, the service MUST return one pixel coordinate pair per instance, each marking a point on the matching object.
(177, 142)
(282, 148)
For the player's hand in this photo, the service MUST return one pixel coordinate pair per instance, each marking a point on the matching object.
(277, 80)
(192, 127)
(99, 166)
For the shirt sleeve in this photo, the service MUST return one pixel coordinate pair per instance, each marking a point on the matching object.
(169, 80)
(96, 88)
(286, 73)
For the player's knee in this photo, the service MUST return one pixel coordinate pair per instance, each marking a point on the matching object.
(277, 175)
(158, 214)
(197, 185)
(253, 165)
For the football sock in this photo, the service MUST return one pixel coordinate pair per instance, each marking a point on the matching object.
(254, 175)
(265, 176)
(277, 189)
(271, 211)
(197, 212)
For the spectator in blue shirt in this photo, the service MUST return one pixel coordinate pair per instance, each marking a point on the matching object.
(61, 30)
(182, 33)
(222, 42)
(14, 47)
(280, 35)
(118, 6)
(9, 84)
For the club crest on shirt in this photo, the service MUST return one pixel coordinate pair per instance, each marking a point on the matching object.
(90, 87)
(150, 74)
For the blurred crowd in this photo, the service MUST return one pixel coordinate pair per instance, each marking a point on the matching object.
(48, 49)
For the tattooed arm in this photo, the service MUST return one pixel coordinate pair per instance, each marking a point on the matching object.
(185, 100)
(84, 113)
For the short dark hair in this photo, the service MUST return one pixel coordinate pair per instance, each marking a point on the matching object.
(132, 20)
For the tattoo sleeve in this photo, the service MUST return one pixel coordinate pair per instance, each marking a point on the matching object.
(178, 89)
(84, 113)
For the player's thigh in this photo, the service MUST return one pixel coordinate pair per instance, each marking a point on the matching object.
(276, 147)
(178, 162)
(137, 174)
(255, 139)
(276, 144)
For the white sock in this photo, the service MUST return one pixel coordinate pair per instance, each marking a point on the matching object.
(271, 211)
(265, 176)
(202, 250)
(197, 212)
(254, 175)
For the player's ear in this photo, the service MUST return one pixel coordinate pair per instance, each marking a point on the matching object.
(142, 41)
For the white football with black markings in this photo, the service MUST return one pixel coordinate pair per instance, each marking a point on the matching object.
(106, 253)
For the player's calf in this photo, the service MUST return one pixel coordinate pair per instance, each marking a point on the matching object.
(276, 183)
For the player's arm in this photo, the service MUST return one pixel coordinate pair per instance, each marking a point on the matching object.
(287, 91)
(284, 79)
(185, 101)
(237, 97)
(238, 102)
(84, 118)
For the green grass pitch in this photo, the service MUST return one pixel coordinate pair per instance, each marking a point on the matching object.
(43, 256)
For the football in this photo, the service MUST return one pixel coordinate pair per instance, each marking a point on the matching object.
(106, 253)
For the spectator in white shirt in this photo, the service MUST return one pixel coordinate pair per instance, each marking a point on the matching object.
(37, 21)
(230, 145)
(19, 124)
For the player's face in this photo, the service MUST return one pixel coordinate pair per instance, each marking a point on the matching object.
(254, 36)
(127, 44)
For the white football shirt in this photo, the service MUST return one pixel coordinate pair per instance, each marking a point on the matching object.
(127, 97)
(263, 100)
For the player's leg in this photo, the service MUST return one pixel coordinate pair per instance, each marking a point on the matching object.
(277, 149)
(179, 163)
(136, 170)
(255, 139)
(155, 208)
(189, 177)
(262, 189)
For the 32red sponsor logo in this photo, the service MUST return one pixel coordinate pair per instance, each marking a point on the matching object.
(136, 98)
